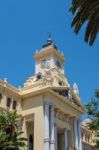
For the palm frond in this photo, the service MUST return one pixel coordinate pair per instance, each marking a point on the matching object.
(86, 11)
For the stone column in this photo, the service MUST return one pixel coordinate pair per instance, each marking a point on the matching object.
(46, 139)
(52, 129)
(72, 130)
(84, 137)
(55, 137)
(79, 137)
(75, 134)
(65, 139)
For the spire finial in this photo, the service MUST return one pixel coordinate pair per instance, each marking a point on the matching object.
(49, 35)
(49, 42)
(49, 38)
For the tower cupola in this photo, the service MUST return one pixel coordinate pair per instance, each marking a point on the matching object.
(49, 43)
(49, 57)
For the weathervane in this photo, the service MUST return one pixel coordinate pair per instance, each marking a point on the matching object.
(49, 38)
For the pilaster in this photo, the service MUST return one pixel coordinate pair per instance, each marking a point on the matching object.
(46, 118)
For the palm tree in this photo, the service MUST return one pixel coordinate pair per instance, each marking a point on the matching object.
(86, 11)
(10, 134)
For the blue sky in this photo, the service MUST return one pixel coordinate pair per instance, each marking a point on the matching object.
(24, 27)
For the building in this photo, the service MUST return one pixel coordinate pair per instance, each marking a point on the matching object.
(50, 108)
(89, 139)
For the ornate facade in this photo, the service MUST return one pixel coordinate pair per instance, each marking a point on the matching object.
(89, 139)
(50, 108)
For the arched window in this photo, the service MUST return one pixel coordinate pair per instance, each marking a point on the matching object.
(39, 76)
(30, 142)
(0, 96)
(58, 64)
(8, 102)
(14, 104)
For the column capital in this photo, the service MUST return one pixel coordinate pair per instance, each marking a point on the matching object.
(75, 119)
(52, 106)
(65, 129)
(46, 103)
(79, 120)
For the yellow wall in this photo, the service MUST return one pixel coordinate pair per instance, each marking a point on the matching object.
(35, 106)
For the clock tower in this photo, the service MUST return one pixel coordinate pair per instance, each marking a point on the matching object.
(48, 58)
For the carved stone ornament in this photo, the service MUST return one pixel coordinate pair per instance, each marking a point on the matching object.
(75, 89)
(62, 116)
(48, 78)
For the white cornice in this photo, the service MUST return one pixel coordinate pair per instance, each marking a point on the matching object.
(9, 87)
(47, 89)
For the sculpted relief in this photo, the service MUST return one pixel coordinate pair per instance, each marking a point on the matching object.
(62, 116)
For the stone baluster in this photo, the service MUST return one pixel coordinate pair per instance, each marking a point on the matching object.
(84, 139)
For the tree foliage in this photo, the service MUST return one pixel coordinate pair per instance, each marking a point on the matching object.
(10, 134)
(92, 109)
(86, 11)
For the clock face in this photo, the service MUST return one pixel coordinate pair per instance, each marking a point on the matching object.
(45, 64)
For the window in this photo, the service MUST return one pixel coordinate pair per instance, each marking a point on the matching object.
(30, 142)
(88, 139)
(43, 63)
(0, 96)
(8, 102)
(14, 104)
(97, 142)
(58, 64)
(39, 76)
(60, 83)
